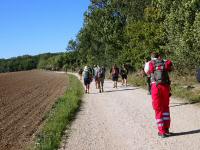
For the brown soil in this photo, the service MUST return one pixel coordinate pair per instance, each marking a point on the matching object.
(25, 99)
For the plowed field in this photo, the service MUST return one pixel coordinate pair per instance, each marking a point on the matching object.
(25, 98)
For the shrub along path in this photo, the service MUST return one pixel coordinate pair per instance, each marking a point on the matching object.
(123, 118)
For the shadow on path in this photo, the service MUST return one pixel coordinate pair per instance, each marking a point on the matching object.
(180, 104)
(121, 90)
(186, 133)
(109, 91)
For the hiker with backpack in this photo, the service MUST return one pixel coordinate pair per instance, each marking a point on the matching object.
(124, 74)
(115, 75)
(96, 68)
(147, 76)
(101, 77)
(87, 76)
(91, 71)
(80, 73)
(160, 88)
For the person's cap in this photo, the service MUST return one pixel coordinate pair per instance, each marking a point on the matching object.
(86, 67)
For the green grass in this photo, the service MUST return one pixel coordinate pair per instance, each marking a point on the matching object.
(185, 87)
(178, 87)
(137, 80)
(186, 94)
(59, 118)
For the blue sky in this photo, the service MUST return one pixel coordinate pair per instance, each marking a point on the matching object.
(38, 26)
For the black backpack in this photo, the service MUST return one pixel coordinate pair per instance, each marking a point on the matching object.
(101, 73)
(160, 75)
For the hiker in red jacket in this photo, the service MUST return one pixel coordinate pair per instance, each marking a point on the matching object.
(160, 88)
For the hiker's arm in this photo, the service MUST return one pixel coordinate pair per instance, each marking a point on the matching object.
(169, 65)
(151, 67)
(146, 68)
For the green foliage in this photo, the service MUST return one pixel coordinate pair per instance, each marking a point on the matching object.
(51, 63)
(18, 64)
(143, 42)
(47, 61)
(180, 25)
(72, 45)
(50, 135)
(102, 40)
(120, 31)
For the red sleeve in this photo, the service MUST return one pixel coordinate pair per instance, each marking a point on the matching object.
(168, 65)
(151, 67)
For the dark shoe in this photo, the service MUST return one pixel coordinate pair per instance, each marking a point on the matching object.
(162, 135)
(167, 130)
(168, 133)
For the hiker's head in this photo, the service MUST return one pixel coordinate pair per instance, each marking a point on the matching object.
(154, 55)
(160, 56)
(86, 67)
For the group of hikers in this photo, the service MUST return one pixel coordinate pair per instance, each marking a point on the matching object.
(98, 74)
(157, 77)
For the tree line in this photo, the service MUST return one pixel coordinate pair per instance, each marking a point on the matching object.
(47, 61)
(126, 31)
(26, 62)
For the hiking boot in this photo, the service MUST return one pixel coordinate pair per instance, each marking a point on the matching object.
(163, 135)
(168, 133)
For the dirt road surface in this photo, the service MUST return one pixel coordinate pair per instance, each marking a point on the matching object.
(25, 98)
(123, 119)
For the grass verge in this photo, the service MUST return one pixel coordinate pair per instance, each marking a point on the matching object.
(59, 118)
(184, 87)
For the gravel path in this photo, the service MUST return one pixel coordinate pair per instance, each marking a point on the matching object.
(123, 119)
